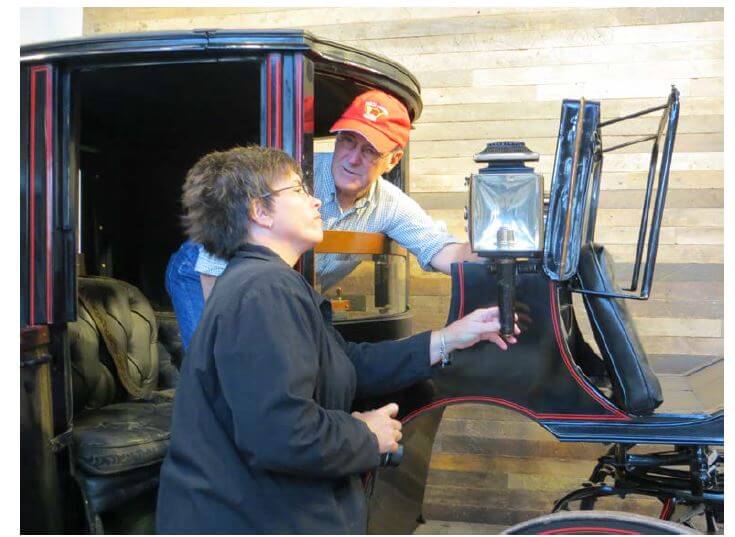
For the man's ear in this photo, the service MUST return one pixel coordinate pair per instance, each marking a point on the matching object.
(260, 214)
(395, 158)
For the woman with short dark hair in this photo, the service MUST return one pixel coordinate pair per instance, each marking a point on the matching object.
(263, 440)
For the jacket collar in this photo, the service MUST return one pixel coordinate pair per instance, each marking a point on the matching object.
(256, 251)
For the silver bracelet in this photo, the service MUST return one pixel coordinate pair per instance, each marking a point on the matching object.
(443, 356)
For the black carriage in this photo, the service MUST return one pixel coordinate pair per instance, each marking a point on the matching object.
(540, 253)
(109, 126)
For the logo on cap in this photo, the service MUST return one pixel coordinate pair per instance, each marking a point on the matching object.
(374, 110)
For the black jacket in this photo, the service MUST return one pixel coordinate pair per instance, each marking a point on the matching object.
(262, 440)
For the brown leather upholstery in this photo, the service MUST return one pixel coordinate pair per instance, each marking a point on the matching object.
(122, 411)
(127, 327)
(93, 383)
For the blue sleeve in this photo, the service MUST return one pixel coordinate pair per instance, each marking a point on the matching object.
(411, 227)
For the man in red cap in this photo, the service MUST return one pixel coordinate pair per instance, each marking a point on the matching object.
(371, 136)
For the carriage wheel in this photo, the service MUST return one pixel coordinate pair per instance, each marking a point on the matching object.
(597, 523)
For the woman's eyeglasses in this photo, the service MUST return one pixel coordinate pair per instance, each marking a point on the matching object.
(300, 188)
(348, 142)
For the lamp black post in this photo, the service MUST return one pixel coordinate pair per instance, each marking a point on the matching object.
(505, 218)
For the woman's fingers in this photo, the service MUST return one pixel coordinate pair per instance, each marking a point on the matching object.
(484, 314)
(391, 409)
(499, 341)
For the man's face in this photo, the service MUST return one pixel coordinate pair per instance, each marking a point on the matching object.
(356, 164)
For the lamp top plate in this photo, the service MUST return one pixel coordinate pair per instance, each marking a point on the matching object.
(506, 151)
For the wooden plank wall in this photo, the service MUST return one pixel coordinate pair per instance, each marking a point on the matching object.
(500, 74)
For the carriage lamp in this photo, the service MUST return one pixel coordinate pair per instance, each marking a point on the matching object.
(505, 218)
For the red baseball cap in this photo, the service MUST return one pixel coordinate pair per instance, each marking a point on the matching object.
(379, 117)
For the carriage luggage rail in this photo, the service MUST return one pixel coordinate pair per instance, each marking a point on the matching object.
(573, 206)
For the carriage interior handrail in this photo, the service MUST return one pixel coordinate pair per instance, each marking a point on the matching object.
(358, 242)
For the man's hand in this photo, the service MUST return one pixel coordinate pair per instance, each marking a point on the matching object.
(383, 426)
(481, 324)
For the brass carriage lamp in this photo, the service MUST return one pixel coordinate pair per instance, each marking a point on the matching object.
(505, 218)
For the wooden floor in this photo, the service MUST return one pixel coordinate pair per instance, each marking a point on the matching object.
(445, 527)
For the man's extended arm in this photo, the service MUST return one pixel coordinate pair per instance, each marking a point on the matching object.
(454, 252)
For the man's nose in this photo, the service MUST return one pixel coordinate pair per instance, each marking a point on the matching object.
(354, 155)
(317, 201)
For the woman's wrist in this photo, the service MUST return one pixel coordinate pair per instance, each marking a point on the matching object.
(440, 346)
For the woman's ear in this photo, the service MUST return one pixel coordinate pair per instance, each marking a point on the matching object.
(260, 214)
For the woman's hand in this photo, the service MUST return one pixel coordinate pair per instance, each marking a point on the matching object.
(383, 426)
(481, 324)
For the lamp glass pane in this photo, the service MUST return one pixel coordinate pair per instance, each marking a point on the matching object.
(506, 212)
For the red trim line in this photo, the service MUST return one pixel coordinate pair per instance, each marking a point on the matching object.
(48, 124)
(48, 139)
(538, 416)
(32, 196)
(568, 362)
(268, 103)
(279, 104)
(667, 510)
(299, 105)
(460, 274)
(587, 530)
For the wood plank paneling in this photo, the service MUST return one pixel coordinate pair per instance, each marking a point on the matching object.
(557, 38)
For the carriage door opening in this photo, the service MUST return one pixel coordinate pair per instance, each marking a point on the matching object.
(141, 129)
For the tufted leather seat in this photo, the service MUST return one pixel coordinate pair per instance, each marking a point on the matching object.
(635, 387)
(122, 412)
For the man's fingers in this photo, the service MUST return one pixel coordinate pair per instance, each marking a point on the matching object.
(396, 424)
(398, 435)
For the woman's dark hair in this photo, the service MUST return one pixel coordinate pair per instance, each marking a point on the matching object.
(220, 188)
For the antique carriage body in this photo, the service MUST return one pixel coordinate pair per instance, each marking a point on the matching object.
(109, 127)
(537, 260)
